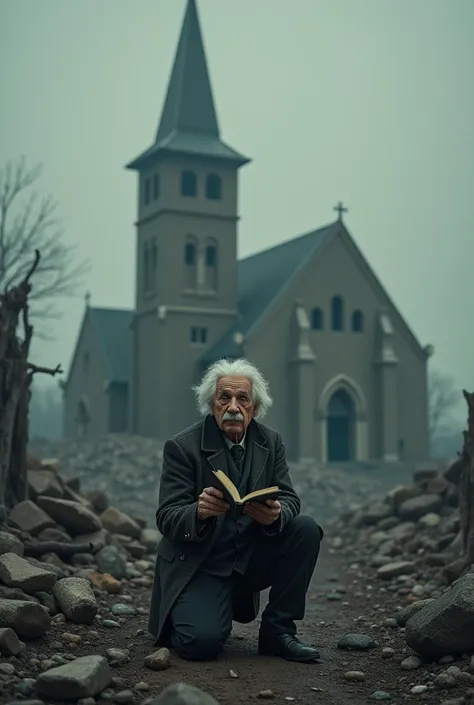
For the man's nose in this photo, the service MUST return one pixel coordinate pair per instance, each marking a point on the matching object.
(233, 406)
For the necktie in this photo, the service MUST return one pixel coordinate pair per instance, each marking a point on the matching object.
(237, 453)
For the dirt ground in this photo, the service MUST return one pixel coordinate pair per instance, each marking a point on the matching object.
(326, 622)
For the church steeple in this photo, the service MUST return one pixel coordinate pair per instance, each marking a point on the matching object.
(189, 123)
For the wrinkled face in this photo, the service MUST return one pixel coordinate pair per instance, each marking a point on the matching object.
(233, 407)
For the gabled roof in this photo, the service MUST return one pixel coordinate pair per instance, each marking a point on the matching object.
(262, 279)
(115, 338)
(189, 123)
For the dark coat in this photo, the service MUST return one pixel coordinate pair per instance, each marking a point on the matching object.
(188, 461)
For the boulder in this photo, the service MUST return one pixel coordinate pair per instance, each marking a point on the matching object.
(415, 508)
(445, 625)
(183, 694)
(17, 572)
(29, 620)
(76, 600)
(74, 516)
(112, 560)
(392, 570)
(10, 544)
(84, 677)
(45, 482)
(117, 522)
(29, 518)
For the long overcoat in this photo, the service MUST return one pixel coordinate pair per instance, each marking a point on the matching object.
(188, 461)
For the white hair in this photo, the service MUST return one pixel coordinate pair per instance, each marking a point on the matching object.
(206, 390)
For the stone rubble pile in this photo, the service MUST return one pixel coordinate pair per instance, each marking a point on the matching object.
(128, 469)
(401, 548)
(62, 554)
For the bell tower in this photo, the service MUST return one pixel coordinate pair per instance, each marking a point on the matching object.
(186, 244)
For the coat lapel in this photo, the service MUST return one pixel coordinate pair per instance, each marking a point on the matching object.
(259, 455)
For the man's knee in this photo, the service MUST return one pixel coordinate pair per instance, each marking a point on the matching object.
(199, 644)
(307, 527)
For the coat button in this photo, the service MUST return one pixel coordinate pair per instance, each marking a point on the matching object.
(182, 557)
(187, 536)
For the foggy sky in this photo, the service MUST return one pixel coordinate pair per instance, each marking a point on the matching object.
(368, 101)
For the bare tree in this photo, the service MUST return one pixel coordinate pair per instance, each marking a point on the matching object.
(16, 374)
(443, 397)
(28, 223)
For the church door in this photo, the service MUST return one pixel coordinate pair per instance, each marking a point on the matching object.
(340, 424)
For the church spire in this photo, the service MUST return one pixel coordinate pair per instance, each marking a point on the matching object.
(189, 105)
(189, 123)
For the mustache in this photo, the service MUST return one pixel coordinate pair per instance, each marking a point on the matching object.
(228, 416)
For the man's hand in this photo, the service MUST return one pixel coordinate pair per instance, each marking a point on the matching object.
(211, 504)
(265, 514)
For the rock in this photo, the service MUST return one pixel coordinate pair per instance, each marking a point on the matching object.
(159, 660)
(356, 642)
(120, 609)
(391, 570)
(150, 538)
(413, 509)
(380, 695)
(401, 493)
(84, 677)
(110, 559)
(10, 544)
(28, 517)
(445, 681)
(454, 471)
(76, 600)
(98, 540)
(118, 656)
(184, 694)
(98, 499)
(10, 645)
(446, 625)
(74, 516)
(376, 512)
(29, 620)
(355, 676)
(117, 522)
(411, 663)
(266, 694)
(44, 482)
(19, 573)
(388, 652)
(430, 521)
(404, 615)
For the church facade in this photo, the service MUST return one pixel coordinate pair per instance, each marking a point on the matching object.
(348, 376)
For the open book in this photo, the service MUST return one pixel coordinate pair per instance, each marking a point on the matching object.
(256, 496)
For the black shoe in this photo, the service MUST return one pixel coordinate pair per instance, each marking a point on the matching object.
(287, 646)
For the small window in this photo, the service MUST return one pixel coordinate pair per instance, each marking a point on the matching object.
(156, 186)
(190, 254)
(146, 192)
(211, 256)
(317, 319)
(213, 187)
(188, 183)
(198, 335)
(357, 321)
(337, 313)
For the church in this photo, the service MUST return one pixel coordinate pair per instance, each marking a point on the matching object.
(348, 376)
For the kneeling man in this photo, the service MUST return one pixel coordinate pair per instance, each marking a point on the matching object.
(214, 560)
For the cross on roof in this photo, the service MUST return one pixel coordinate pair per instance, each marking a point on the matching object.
(340, 209)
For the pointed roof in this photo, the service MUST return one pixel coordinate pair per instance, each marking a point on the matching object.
(189, 121)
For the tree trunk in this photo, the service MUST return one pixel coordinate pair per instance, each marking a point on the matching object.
(466, 489)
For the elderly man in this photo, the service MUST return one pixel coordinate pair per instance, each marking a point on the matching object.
(213, 560)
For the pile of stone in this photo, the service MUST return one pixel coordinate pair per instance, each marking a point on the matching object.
(61, 554)
(406, 544)
(128, 468)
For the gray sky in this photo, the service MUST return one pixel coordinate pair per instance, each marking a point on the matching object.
(368, 101)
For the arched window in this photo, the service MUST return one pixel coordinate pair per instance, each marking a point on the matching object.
(317, 319)
(213, 187)
(211, 265)
(337, 313)
(188, 183)
(190, 264)
(357, 321)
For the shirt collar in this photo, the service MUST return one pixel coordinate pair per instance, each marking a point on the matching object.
(229, 443)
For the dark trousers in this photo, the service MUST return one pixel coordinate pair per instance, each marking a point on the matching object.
(201, 618)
